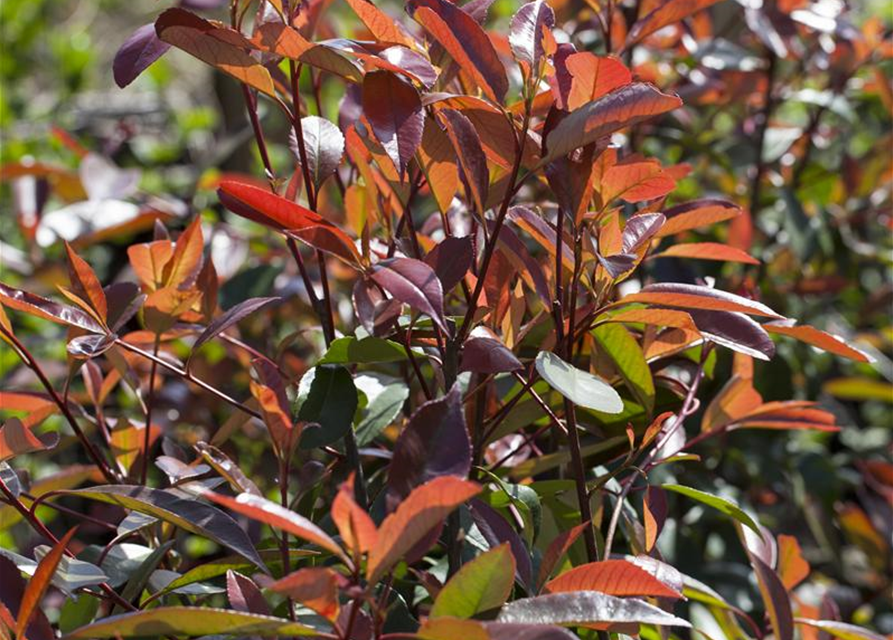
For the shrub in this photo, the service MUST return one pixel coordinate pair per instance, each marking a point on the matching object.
(477, 358)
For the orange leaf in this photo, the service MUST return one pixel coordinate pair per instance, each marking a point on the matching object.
(148, 260)
(697, 213)
(185, 263)
(655, 317)
(278, 517)
(818, 338)
(39, 583)
(614, 577)
(792, 568)
(217, 46)
(416, 516)
(667, 13)
(380, 24)
(17, 438)
(735, 400)
(706, 251)
(314, 587)
(635, 182)
(357, 529)
(689, 296)
(85, 283)
(593, 76)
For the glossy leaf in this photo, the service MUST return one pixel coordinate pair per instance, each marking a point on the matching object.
(580, 387)
(482, 584)
(472, 161)
(323, 144)
(394, 110)
(842, 630)
(690, 296)
(415, 517)
(47, 309)
(189, 621)
(613, 577)
(776, 599)
(583, 608)
(188, 514)
(484, 352)
(414, 283)
(530, 25)
(368, 350)
(736, 331)
(722, 505)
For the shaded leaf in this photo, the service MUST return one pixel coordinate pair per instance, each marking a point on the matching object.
(626, 354)
(16, 439)
(244, 595)
(188, 514)
(451, 260)
(330, 401)
(484, 352)
(472, 161)
(229, 318)
(394, 110)
(368, 350)
(189, 621)
(40, 582)
(666, 13)
(776, 599)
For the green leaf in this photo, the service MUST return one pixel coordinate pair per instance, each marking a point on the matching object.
(627, 355)
(140, 577)
(330, 400)
(190, 621)
(384, 402)
(369, 350)
(188, 514)
(720, 504)
(580, 387)
(480, 585)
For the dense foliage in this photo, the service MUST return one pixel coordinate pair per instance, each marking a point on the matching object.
(563, 320)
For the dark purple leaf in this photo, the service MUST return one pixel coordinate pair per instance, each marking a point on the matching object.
(736, 331)
(776, 599)
(472, 161)
(414, 283)
(639, 229)
(394, 110)
(350, 109)
(141, 49)
(526, 32)
(124, 301)
(478, 9)
(412, 62)
(434, 443)
(451, 260)
(375, 312)
(12, 588)
(244, 595)
(530, 270)
(561, 81)
(203, 5)
(496, 531)
(483, 352)
(231, 317)
(618, 264)
(323, 144)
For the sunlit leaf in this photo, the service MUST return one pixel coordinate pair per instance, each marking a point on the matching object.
(578, 386)
(585, 607)
(722, 505)
(613, 577)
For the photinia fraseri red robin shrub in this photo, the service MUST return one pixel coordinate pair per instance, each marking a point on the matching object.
(486, 444)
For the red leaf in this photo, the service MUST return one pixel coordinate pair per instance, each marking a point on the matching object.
(244, 594)
(356, 527)
(414, 283)
(706, 251)
(288, 217)
(465, 41)
(557, 548)
(423, 509)
(617, 110)
(17, 438)
(635, 181)
(40, 582)
(592, 76)
(614, 577)
(437, 159)
(217, 46)
(394, 110)
(85, 283)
